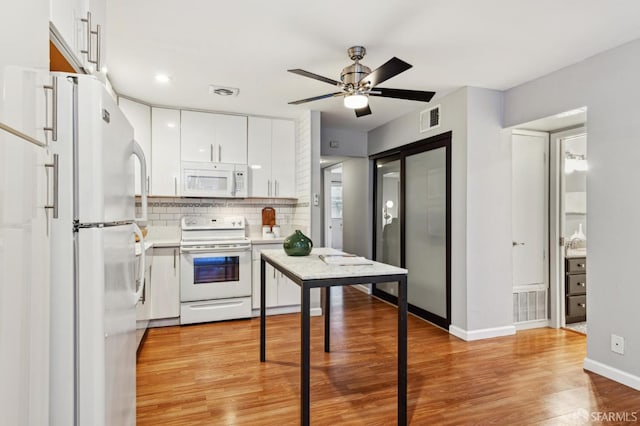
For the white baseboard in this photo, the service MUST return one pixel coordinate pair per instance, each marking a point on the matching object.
(365, 288)
(612, 373)
(531, 324)
(485, 333)
(165, 322)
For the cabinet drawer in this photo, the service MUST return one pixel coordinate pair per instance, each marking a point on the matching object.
(576, 306)
(576, 284)
(576, 265)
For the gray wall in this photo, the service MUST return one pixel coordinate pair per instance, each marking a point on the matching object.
(608, 85)
(351, 143)
(356, 211)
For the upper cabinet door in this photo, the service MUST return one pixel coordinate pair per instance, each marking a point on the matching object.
(259, 157)
(231, 139)
(139, 115)
(216, 138)
(283, 158)
(198, 136)
(165, 157)
(67, 18)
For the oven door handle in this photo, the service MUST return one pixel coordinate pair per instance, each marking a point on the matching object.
(214, 249)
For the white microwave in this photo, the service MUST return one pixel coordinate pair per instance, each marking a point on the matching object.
(202, 179)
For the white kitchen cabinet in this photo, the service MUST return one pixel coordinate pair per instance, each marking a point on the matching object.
(214, 138)
(281, 291)
(24, 282)
(271, 157)
(139, 116)
(165, 283)
(165, 153)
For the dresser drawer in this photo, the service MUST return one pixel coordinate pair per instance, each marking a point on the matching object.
(576, 265)
(576, 306)
(576, 284)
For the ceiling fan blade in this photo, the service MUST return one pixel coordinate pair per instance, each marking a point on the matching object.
(391, 68)
(314, 76)
(360, 112)
(412, 95)
(315, 98)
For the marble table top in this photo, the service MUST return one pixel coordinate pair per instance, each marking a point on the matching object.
(312, 267)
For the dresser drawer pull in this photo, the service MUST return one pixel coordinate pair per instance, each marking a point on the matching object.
(582, 305)
(582, 284)
(580, 265)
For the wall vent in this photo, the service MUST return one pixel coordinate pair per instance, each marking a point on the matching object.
(430, 118)
(223, 91)
(529, 305)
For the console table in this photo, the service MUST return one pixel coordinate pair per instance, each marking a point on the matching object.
(311, 272)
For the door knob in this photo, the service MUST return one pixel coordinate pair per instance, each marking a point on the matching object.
(515, 243)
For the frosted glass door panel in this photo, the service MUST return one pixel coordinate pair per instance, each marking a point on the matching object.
(388, 214)
(425, 239)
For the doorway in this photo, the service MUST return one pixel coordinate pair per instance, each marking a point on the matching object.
(333, 206)
(412, 224)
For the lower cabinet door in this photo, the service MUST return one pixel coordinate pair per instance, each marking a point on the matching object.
(288, 291)
(271, 285)
(576, 306)
(165, 283)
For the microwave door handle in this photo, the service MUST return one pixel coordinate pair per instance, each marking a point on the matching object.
(139, 153)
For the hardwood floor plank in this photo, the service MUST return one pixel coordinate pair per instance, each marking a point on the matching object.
(210, 374)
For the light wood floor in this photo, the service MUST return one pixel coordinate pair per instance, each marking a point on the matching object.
(210, 374)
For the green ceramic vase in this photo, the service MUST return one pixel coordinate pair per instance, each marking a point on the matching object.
(297, 244)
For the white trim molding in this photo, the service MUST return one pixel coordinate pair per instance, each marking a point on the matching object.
(612, 373)
(527, 325)
(485, 333)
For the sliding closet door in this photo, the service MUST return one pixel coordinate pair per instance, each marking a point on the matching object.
(413, 226)
(426, 230)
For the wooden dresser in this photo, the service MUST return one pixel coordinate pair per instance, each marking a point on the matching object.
(575, 289)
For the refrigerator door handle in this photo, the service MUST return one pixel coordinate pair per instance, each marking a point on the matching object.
(138, 152)
(143, 254)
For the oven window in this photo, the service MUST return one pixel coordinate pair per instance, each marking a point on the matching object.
(216, 269)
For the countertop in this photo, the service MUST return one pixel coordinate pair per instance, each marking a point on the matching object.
(312, 267)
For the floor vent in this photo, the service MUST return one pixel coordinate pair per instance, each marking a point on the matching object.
(529, 305)
(430, 118)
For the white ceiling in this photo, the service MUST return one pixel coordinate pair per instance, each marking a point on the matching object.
(495, 44)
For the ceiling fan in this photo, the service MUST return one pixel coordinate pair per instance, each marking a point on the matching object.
(359, 82)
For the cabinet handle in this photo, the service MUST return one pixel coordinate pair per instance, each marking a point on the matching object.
(88, 50)
(54, 109)
(580, 265)
(269, 188)
(582, 284)
(211, 156)
(582, 305)
(175, 185)
(274, 273)
(148, 185)
(219, 153)
(98, 33)
(275, 188)
(174, 261)
(55, 167)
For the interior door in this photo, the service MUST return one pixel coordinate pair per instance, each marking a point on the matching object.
(336, 215)
(530, 224)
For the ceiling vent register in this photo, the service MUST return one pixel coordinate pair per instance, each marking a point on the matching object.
(223, 91)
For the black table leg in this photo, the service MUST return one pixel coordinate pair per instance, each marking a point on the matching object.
(263, 312)
(327, 319)
(402, 351)
(306, 350)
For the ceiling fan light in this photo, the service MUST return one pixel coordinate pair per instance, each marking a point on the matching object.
(356, 101)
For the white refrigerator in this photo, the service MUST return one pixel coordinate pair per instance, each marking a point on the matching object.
(93, 290)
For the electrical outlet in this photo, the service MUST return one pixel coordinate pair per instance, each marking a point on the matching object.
(617, 344)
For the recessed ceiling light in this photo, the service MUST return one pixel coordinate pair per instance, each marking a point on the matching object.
(162, 78)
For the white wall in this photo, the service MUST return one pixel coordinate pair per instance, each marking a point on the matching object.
(351, 143)
(489, 261)
(608, 85)
(357, 200)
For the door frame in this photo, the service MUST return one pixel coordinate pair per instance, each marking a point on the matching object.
(556, 210)
(326, 180)
(442, 140)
